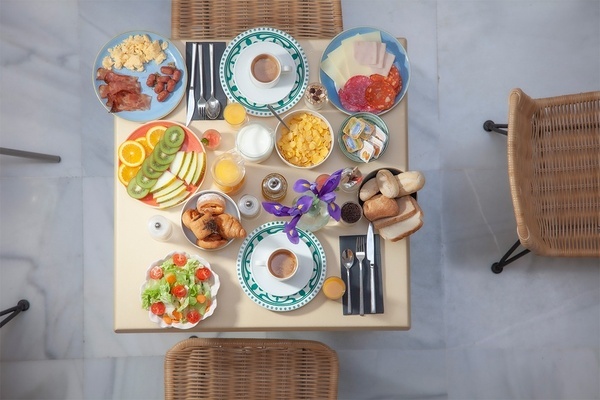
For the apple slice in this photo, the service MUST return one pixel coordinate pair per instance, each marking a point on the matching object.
(174, 201)
(165, 180)
(185, 166)
(170, 188)
(192, 171)
(171, 195)
(177, 162)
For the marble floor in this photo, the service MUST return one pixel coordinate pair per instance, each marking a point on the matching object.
(532, 332)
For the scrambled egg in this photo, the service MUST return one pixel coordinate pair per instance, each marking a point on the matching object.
(134, 52)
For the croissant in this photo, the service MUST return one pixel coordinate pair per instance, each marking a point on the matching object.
(202, 225)
(230, 227)
(213, 241)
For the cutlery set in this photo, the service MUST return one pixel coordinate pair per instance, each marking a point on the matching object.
(362, 249)
(203, 108)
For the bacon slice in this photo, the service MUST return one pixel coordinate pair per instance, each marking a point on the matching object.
(123, 92)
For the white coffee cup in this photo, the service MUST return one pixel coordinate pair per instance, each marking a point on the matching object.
(266, 70)
(282, 264)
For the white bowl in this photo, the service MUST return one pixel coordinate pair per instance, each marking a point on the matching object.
(254, 141)
(279, 132)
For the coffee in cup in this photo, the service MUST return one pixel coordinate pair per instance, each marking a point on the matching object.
(266, 69)
(282, 264)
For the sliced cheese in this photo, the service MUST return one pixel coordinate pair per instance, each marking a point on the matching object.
(330, 67)
(365, 53)
(387, 65)
(348, 49)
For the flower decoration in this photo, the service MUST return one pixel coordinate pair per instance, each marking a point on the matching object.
(316, 193)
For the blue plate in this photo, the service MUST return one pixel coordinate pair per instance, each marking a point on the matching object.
(392, 45)
(157, 109)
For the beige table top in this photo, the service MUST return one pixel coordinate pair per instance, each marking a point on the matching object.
(135, 250)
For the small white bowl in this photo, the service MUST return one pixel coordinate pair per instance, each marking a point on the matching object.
(254, 141)
(279, 132)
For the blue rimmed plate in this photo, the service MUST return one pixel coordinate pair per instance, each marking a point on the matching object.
(309, 245)
(157, 109)
(239, 53)
(392, 45)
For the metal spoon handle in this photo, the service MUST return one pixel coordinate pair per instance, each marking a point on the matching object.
(349, 292)
(277, 116)
(212, 72)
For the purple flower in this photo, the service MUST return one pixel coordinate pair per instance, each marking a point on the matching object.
(326, 193)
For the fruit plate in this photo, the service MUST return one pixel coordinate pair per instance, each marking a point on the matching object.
(173, 188)
(158, 288)
(230, 208)
(157, 109)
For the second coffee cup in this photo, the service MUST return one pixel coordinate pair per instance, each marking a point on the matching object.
(282, 264)
(266, 69)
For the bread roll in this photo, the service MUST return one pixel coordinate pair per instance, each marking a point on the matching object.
(380, 206)
(387, 183)
(368, 189)
(212, 203)
(410, 182)
(407, 207)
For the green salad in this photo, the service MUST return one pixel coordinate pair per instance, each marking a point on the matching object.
(179, 290)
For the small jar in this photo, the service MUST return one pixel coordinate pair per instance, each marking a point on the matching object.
(255, 142)
(274, 187)
(249, 206)
(334, 288)
(315, 96)
(351, 179)
(351, 213)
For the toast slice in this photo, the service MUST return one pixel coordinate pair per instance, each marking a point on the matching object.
(402, 229)
(407, 206)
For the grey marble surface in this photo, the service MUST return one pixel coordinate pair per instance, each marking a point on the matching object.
(532, 332)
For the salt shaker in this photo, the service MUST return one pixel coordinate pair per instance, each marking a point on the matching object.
(249, 206)
(160, 228)
(274, 187)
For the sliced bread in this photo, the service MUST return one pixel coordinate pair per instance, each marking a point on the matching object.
(399, 230)
(407, 207)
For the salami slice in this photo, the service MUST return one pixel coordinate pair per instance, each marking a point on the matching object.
(380, 95)
(352, 95)
(395, 79)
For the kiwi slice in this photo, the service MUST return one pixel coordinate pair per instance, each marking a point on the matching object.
(149, 171)
(173, 136)
(136, 191)
(144, 181)
(163, 147)
(161, 157)
(156, 165)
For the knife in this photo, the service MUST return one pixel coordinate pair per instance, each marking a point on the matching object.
(191, 95)
(371, 257)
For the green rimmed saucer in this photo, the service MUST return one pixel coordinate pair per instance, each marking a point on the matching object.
(265, 299)
(227, 70)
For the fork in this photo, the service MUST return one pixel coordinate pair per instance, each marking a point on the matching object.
(201, 105)
(360, 255)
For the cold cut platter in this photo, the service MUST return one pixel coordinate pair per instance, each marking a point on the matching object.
(365, 70)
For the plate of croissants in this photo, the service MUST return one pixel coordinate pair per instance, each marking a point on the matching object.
(211, 220)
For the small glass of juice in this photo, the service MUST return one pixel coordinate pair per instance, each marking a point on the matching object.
(228, 172)
(235, 115)
(211, 138)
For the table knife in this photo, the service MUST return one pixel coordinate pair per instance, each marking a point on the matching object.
(191, 106)
(371, 257)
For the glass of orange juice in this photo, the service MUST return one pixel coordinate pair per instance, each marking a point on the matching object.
(228, 172)
(235, 115)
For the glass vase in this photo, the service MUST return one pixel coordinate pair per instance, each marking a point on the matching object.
(316, 217)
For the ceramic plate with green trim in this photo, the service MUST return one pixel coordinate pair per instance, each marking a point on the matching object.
(235, 66)
(271, 232)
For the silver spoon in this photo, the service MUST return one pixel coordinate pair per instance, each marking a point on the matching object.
(277, 116)
(213, 106)
(348, 262)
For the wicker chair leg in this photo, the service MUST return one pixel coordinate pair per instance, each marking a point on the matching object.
(497, 267)
(491, 126)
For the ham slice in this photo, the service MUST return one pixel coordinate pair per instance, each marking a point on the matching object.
(123, 92)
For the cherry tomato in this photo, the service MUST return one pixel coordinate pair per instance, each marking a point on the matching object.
(193, 316)
(203, 274)
(156, 272)
(179, 291)
(157, 308)
(179, 259)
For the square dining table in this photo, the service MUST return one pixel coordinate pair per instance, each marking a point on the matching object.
(135, 250)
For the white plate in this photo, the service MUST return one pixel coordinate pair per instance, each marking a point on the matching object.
(266, 281)
(250, 90)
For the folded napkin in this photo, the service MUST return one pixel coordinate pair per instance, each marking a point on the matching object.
(349, 242)
(219, 49)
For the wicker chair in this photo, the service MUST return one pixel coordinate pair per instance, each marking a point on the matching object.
(250, 369)
(225, 19)
(554, 174)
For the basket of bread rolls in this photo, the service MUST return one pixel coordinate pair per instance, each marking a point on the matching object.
(210, 220)
(388, 198)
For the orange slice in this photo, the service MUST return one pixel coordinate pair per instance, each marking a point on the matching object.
(144, 142)
(127, 173)
(154, 134)
(132, 153)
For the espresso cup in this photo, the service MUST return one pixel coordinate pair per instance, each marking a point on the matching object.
(282, 264)
(266, 70)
